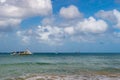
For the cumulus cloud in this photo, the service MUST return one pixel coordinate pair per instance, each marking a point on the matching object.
(54, 31)
(117, 15)
(69, 30)
(70, 12)
(14, 11)
(43, 34)
(49, 34)
(92, 25)
(113, 16)
(25, 8)
(106, 15)
(55, 35)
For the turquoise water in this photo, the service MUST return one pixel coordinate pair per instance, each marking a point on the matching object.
(58, 64)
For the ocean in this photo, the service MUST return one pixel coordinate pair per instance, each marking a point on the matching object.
(62, 66)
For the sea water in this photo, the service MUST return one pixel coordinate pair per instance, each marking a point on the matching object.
(12, 66)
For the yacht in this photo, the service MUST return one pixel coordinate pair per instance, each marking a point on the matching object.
(26, 52)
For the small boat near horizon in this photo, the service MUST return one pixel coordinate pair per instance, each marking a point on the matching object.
(26, 52)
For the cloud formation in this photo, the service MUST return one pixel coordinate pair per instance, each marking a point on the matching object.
(8, 24)
(70, 12)
(24, 8)
(91, 25)
(117, 16)
(55, 35)
(43, 34)
(106, 15)
(54, 29)
(25, 35)
(74, 27)
(49, 34)
(14, 11)
(69, 30)
(113, 16)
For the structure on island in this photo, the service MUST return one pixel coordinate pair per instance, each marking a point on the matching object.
(26, 52)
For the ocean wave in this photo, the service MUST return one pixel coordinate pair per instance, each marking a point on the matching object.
(66, 77)
(39, 63)
(28, 63)
(113, 70)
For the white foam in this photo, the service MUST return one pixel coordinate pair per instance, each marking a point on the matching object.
(68, 77)
(72, 77)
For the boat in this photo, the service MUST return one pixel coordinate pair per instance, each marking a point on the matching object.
(26, 52)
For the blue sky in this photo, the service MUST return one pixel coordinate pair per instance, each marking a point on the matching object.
(60, 25)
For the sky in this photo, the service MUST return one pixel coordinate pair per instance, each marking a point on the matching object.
(60, 25)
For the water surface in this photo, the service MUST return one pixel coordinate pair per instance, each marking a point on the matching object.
(63, 63)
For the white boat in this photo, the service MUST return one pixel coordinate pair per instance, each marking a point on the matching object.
(26, 52)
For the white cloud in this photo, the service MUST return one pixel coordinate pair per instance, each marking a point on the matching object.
(24, 8)
(50, 35)
(40, 7)
(113, 16)
(2, 1)
(55, 35)
(70, 12)
(69, 30)
(107, 15)
(117, 15)
(92, 25)
(55, 29)
(43, 34)
(14, 11)
(11, 11)
(8, 24)
(25, 35)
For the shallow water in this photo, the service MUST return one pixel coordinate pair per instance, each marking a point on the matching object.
(59, 64)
